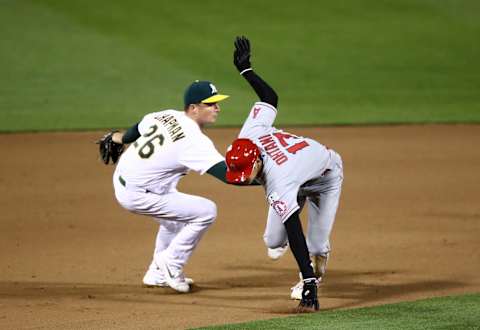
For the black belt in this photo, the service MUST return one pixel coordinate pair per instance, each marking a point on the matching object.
(122, 181)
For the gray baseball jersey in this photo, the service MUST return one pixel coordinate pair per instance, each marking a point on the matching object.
(289, 161)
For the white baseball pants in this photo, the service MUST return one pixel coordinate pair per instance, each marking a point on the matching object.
(183, 219)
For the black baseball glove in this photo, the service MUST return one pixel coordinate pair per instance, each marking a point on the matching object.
(109, 149)
(309, 302)
(241, 55)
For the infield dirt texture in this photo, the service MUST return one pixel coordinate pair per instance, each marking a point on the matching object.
(408, 224)
(407, 228)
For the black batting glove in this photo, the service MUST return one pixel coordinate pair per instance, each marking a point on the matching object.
(241, 55)
(309, 302)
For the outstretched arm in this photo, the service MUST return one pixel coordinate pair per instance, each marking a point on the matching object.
(219, 171)
(111, 145)
(298, 244)
(129, 136)
(241, 59)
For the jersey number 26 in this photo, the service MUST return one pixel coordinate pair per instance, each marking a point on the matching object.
(146, 148)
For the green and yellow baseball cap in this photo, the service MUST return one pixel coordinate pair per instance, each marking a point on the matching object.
(202, 92)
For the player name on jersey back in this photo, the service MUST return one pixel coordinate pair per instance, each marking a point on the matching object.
(272, 149)
(172, 126)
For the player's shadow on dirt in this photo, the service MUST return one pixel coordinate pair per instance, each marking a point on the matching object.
(247, 283)
(348, 288)
(50, 294)
(81, 291)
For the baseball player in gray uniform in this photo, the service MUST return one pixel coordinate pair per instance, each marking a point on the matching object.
(166, 145)
(294, 171)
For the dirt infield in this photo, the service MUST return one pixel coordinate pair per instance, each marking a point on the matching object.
(408, 227)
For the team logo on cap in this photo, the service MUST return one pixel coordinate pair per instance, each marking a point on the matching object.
(213, 88)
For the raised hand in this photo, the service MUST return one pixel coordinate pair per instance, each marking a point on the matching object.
(241, 55)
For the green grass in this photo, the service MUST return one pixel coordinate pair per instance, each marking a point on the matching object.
(84, 64)
(456, 312)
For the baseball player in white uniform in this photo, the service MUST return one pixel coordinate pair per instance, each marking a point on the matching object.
(294, 170)
(166, 146)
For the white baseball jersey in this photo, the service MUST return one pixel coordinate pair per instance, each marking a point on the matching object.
(146, 177)
(289, 161)
(170, 145)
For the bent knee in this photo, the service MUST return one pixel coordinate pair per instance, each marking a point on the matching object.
(274, 241)
(208, 211)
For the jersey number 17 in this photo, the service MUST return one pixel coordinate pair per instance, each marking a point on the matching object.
(291, 148)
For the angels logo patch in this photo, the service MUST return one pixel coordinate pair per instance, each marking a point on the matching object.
(280, 207)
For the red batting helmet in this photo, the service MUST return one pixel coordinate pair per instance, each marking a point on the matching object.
(240, 158)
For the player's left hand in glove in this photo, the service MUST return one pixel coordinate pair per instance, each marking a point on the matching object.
(108, 149)
(241, 55)
(309, 302)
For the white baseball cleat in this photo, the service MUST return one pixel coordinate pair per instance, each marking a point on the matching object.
(174, 278)
(277, 253)
(296, 290)
(155, 278)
